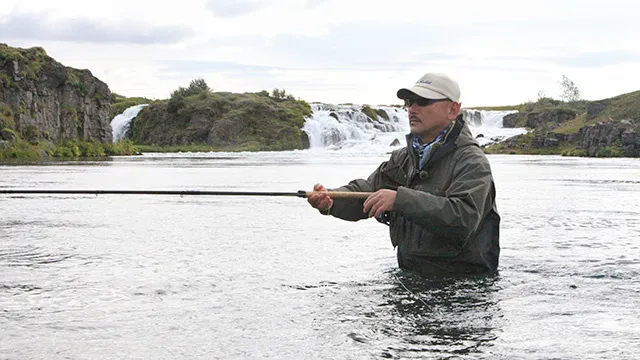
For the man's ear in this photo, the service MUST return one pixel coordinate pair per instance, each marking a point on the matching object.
(454, 110)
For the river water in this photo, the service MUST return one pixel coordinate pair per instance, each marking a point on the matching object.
(236, 277)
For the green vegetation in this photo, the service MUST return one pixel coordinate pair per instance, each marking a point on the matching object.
(373, 114)
(121, 103)
(20, 150)
(29, 61)
(521, 145)
(553, 119)
(573, 126)
(75, 80)
(570, 91)
(367, 110)
(6, 117)
(610, 151)
(621, 107)
(198, 118)
(68, 149)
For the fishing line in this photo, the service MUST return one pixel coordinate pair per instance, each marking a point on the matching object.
(409, 291)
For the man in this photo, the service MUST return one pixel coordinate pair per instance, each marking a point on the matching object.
(437, 194)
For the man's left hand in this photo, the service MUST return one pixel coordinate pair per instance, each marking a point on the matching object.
(379, 202)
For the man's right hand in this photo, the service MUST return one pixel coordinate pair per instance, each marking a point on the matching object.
(320, 201)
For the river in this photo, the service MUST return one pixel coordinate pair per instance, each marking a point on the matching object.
(239, 277)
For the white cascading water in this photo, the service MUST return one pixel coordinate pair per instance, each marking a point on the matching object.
(346, 128)
(486, 126)
(121, 123)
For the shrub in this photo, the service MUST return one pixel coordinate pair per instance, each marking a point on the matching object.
(91, 149)
(610, 151)
(6, 117)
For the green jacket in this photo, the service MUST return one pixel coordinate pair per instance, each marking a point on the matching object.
(444, 218)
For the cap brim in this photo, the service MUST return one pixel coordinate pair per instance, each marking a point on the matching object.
(407, 93)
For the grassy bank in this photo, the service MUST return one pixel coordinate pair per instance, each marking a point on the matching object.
(20, 150)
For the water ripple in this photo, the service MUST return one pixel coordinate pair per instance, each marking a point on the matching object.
(30, 256)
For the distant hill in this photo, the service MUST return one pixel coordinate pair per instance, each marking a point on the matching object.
(223, 121)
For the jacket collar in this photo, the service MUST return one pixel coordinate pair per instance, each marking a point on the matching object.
(460, 136)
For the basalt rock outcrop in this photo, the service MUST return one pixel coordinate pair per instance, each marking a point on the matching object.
(41, 99)
(608, 127)
(539, 119)
(606, 137)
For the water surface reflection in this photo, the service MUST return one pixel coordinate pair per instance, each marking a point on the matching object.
(405, 315)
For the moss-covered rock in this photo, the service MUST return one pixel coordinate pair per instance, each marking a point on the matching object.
(6, 117)
(121, 103)
(224, 120)
(43, 99)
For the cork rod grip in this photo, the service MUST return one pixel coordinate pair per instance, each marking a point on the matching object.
(341, 194)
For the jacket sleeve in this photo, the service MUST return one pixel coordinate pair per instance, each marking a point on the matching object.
(352, 209)
(467, 200)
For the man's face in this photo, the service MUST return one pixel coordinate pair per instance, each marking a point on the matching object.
(427, 118)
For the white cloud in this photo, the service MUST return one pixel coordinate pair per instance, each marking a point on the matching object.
(82, 30)
(339, 51)
(234, 8)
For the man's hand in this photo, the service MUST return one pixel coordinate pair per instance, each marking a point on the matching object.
(379, 202)
(320, 201)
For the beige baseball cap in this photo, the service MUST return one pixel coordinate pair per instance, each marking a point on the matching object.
(433, 86)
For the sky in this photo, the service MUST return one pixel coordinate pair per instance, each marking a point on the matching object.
(501, 52)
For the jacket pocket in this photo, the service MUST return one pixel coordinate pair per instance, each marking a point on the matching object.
(393, 177)
(420, 242)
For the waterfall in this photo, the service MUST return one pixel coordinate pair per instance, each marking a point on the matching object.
(121, 123)
(486, 125)
(348, 128)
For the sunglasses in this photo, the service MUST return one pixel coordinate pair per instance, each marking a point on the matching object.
(422, 101)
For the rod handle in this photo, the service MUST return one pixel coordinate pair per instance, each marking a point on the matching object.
(337, 194)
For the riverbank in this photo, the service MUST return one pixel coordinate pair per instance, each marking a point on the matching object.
(20, 150)
(48, 110)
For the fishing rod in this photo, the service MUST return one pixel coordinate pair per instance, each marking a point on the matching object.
(299, 193)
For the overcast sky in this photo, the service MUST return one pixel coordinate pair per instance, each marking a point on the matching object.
(501, 52)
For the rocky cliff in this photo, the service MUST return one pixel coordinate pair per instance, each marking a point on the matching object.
(603, 128)
(41, 99)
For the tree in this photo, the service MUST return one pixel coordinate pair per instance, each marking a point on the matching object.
(570, 91)
(544, 100)
(541, 95)
(278, 94)
(196, 87)
(176, 102)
